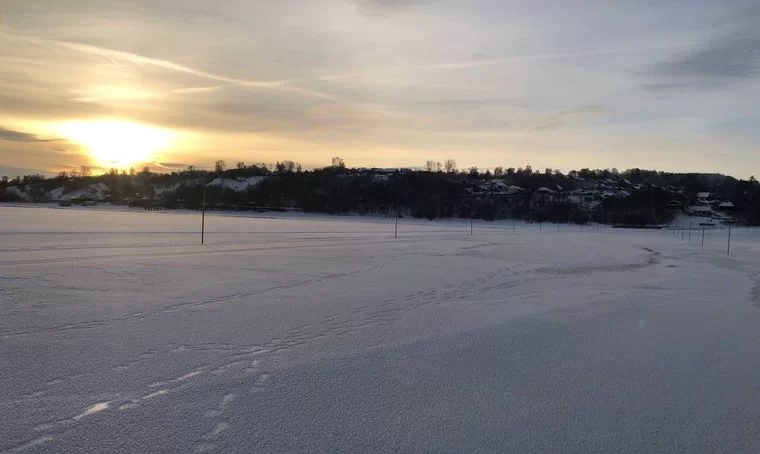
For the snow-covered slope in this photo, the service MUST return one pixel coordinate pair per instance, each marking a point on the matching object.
(237, 184)
(97, 191)
(19, 193)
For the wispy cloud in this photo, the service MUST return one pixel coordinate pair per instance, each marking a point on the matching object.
(18, 136)
(562, 118)
(116, 56)
(172, 165)
(382, 7)
(528, 58)
(730, 55)
(485, 62)
(196, 90)
(18, 171)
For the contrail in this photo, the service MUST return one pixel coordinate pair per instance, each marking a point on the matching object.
(502, 60)
(140, 60)
(498, 61)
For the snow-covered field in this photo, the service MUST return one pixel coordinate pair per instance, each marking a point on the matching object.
(120, 333)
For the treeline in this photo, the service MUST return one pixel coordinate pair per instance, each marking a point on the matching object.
(441, 190)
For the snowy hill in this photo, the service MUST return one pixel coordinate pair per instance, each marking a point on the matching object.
(97, 191)
(236, 184)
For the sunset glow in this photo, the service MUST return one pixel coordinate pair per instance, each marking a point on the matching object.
(117, 143)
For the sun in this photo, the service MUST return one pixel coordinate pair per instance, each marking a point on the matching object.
(114, 143)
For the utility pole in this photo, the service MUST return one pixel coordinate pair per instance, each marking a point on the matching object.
(689, 232)
(471, 227)
(514, 226)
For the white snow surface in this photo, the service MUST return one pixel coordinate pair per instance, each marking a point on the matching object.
(121, 333)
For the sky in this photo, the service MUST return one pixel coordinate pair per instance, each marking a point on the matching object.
(669, 85)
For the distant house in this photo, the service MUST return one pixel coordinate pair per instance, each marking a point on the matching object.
(674, 205)
(704, 198)
(698, 210)
(511, 190)
(726, 206)
(543, 196)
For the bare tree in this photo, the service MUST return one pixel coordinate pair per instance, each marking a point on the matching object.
(438, 166)
(451, 166)
(287, 167)
(85, 171)
(338, 163)
(474, 171)
(430, 166)
(241, 165)
(219, 166)
(498, 172)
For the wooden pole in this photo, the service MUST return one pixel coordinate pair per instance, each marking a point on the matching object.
(703, 235)
(395, 232)
(728, 248)
(203, 218)
(514, 226)
(689, 232)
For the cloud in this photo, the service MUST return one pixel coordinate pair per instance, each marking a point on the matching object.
(729, 56)
(527, 58)
(172, 165)
(381, 7)
(562, 118)
(196, 90)
(18, 171)
(482, 61)
(17, 136)
(116, 56)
